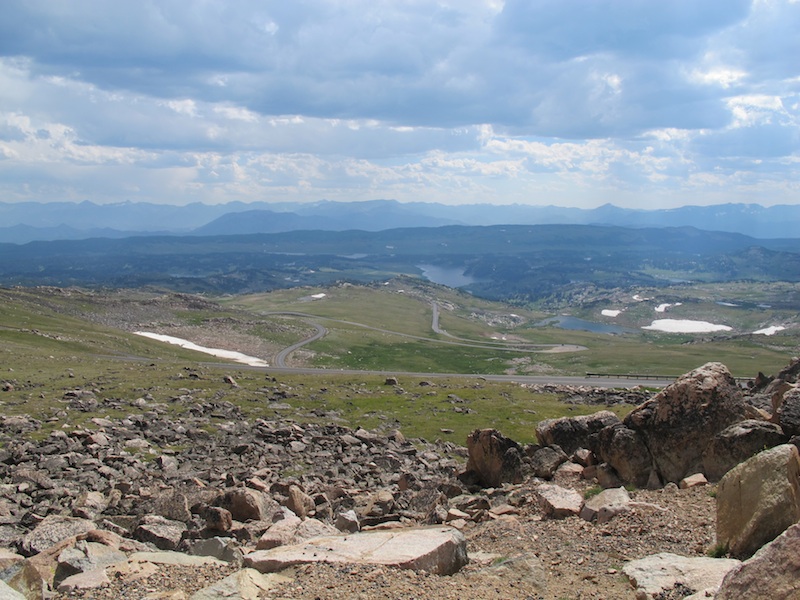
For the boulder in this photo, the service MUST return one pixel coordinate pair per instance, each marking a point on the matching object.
(9, 593)
(558, 502)
(438, 550)
(281, 532)
(218, 519)
(571, 433)
(758, 500)
(624, 449)
(679, 423)
(53, 529)
(246, 504)
(606, 505)
(299, 502)
(246, 584)
(493, 459)
(163, 533)
(84, 557)
(773, 572)
(222, 548)
(657, 575)
(696, 480)
(789, 412)
(737, 443)
(347, 521)
(545, 461)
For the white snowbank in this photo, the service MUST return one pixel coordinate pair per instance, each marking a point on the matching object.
(685, 326)
(608, 312)
(236, 356)
(663, 307)
(770, 330)
(318, 296)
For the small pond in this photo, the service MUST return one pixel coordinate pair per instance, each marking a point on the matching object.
(576, 324)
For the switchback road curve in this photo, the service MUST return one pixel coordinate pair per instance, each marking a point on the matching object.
(280, 359)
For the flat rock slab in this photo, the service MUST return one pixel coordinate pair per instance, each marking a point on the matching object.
(441, 550)
(247, 584)
(653, 576)
(9, 593)
(559, 502)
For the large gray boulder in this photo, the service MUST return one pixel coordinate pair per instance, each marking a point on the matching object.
(773, 572)
(737, 443)
(758, 500)
(571, 433)
(679, 423)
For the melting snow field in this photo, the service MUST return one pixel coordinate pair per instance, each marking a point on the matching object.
(663, 307)
(237, 356)
(770, 330)
(607, 312)
(685, 326)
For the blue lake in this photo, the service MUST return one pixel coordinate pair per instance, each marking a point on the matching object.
(575, 324)
(449, 276)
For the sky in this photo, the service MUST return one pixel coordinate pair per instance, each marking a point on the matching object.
(638, 103)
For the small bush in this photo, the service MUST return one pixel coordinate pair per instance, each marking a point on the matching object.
(592, 492)
(718, 550)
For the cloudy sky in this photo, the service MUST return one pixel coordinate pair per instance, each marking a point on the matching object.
(640, 103)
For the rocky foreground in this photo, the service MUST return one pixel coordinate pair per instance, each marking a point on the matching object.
(152, 506)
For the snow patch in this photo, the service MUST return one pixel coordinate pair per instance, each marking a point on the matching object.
(608, 312)
(318, 296)
(219, 353)
(685, 326)
(663, 307)
(770, 330)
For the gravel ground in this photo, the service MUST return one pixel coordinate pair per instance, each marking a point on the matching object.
(524, 556)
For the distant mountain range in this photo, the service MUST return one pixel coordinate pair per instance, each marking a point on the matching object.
(29, 221)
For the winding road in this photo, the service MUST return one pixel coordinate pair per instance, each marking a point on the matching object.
(320, 332)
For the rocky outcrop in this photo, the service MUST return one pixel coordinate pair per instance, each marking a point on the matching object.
(493, 459)
(788, 411)
(545, 461)
(120, 489)
(758, 500)
(678, 423)
(624, 449)
(571, 433)
(737, 443)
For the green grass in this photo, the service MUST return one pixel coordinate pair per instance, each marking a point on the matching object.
(718, 550)
(48, 348)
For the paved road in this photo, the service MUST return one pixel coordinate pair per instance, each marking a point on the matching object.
(599, 382)
(279, 363)
(280, 357)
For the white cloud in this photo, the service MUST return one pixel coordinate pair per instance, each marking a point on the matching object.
(480, 100)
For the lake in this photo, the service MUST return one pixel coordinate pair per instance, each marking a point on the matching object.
(449, 276)
(575, 324)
